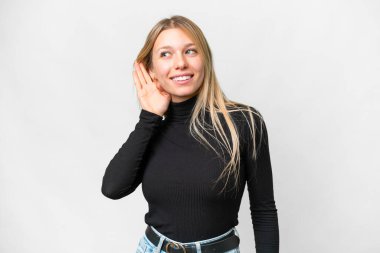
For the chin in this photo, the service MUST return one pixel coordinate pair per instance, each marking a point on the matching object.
(183, 92)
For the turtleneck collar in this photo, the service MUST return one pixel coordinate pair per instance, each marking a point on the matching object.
(181, 111)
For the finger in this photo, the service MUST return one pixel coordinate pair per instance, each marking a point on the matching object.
(147, 77)
(137, 81)
(140, 75)
(158, 86)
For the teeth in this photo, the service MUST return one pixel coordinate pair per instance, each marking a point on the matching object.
(181, 78)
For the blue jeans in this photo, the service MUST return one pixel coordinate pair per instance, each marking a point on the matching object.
(145, 246)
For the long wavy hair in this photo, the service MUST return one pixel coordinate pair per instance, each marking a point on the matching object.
(210, 98)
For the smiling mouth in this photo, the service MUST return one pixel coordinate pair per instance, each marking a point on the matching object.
(182, 78)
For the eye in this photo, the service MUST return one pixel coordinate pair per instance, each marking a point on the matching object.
(192, 49)
(162, 54)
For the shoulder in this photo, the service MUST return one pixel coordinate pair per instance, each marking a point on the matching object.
(245, 115)
(249, 122)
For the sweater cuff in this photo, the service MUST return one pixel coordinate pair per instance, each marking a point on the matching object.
(149, 118)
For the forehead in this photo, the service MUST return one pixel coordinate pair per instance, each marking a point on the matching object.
(173, 38)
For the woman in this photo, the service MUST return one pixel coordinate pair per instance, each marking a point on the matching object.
(193, 150)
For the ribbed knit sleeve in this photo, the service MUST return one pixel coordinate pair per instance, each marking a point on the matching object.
(260, 189)
(124, 173)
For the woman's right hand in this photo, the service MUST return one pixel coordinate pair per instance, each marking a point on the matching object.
(151, 95)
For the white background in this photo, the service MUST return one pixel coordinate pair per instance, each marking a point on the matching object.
(68, 102)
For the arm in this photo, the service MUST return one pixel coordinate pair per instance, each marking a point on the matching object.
(260, 189)
(124, 173)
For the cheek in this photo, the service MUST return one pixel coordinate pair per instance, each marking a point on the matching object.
(198, 66)
(162, 70)
(200, 70)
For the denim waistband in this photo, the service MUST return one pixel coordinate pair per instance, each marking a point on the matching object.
(196, 243)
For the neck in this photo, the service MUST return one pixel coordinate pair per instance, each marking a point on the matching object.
(181, 111)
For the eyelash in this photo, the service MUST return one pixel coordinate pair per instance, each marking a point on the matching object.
(192, 49)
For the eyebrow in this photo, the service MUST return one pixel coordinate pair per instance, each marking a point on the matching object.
(186, 45)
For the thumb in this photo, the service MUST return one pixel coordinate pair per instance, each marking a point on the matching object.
(158, 86)
(160, 89)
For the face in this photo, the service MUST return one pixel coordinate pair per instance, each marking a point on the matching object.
(175, 55)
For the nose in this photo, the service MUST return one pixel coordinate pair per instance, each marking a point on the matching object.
(180, 62)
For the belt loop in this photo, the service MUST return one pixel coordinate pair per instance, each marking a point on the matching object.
(159, 246)
(236, 232)
(198, 245)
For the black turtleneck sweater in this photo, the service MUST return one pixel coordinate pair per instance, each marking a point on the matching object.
(177, 175)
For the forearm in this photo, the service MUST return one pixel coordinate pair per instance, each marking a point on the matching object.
(124, 173)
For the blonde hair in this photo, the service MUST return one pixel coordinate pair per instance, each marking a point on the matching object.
(210, 98)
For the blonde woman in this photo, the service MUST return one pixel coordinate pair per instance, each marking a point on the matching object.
(193, 150)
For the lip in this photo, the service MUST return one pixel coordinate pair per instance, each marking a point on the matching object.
(184, 74)
(184, 82)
